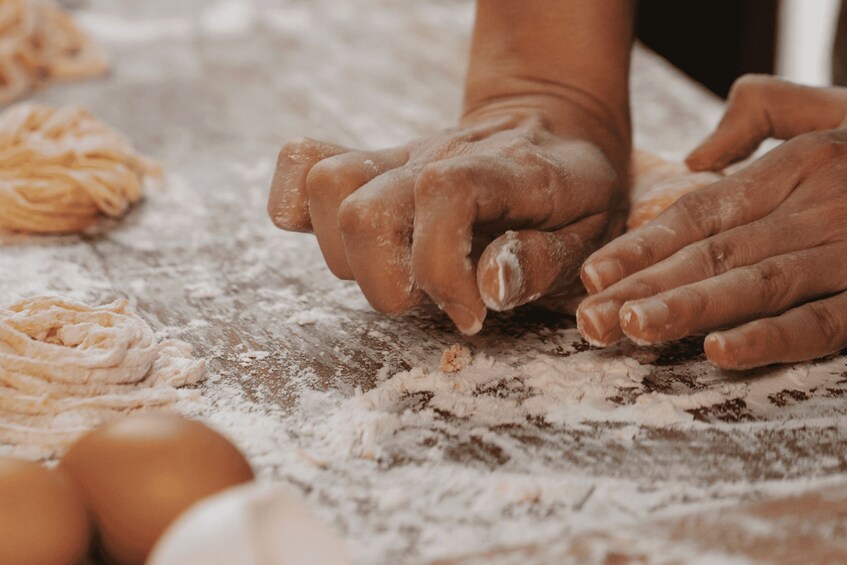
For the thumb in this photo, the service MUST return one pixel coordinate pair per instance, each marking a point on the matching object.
(522, 266)
(760, 107)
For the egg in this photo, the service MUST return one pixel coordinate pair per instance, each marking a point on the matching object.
(253, 524)
(43, 520)
(139, 472)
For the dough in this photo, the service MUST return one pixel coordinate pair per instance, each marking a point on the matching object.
(40, 43)
(66, 367)
(455, 358)
(657, 184)
(61, 169)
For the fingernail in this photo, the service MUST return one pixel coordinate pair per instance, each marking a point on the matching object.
(597, 322)
(723, 352)
(601, 274)
(646, 314)
(715, 340)
(467, 322)
(506, 278)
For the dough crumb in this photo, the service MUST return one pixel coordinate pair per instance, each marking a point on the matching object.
(455, 358)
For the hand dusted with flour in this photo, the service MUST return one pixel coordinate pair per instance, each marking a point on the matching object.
(61, 170)
(536, 167)
(66, 367)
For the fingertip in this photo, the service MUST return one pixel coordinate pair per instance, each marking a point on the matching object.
(704, 158)
(466, 320)
(631, 317)
(597, 323)
(599, 274)
(288, 206)
(287, 211)
(721, 352)
(696, 161)
(500, 276)
(590, 278)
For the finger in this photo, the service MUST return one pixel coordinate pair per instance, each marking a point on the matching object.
(288, 203)
(766, 288)
(803, 333)
(760, 107)
(329, 183)
(739, 199)
(515, 191)
(522, 266)
(376, 226)
(598, 315)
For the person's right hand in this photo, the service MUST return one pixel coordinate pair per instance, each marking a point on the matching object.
(406, 223)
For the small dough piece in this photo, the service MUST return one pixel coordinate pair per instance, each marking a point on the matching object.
(455, 358)
(61, 170)
(66, 367)
(39, 44)
(658, 183)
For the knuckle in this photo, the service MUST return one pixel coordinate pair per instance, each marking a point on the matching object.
(827, 324)
(294, 150)
(327, 178)
(692, 212)
(642, 249)
(355, 215)
(816, 147)
(642, 286)
(767, 333)
(380, 223)
(717, 257)
(750, 84)
(439, 180)
(775, 284)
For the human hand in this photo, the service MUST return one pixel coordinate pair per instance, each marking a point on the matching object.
(409, 222)
(761, 253)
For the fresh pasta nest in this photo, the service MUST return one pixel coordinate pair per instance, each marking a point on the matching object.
(61, 170)
(40, 43)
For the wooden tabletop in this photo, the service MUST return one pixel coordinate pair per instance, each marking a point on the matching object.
(212, 89)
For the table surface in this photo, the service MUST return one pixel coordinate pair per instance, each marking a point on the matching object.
(321, 391)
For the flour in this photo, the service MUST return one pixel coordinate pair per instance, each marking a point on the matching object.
(398, 473)
(229, 17)
(509, 275)
(391, 447)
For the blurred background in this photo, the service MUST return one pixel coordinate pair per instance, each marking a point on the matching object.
(717, 41)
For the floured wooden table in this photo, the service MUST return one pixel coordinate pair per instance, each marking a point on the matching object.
(540, 449)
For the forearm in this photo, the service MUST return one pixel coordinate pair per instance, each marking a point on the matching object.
(567, 58)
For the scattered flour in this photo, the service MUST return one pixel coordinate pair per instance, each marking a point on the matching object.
(392, 447)
(229, 17)
(535, 439)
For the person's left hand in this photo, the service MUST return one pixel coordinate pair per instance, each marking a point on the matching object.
(760, 256)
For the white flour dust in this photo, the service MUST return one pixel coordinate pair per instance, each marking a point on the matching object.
(536, 437)
(393, 447)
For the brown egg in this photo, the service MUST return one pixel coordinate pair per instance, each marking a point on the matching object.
(140, 472)
(42, 516)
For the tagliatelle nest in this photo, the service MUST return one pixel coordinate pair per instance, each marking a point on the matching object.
(40, 43)
(66, 367)
(61, 170)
